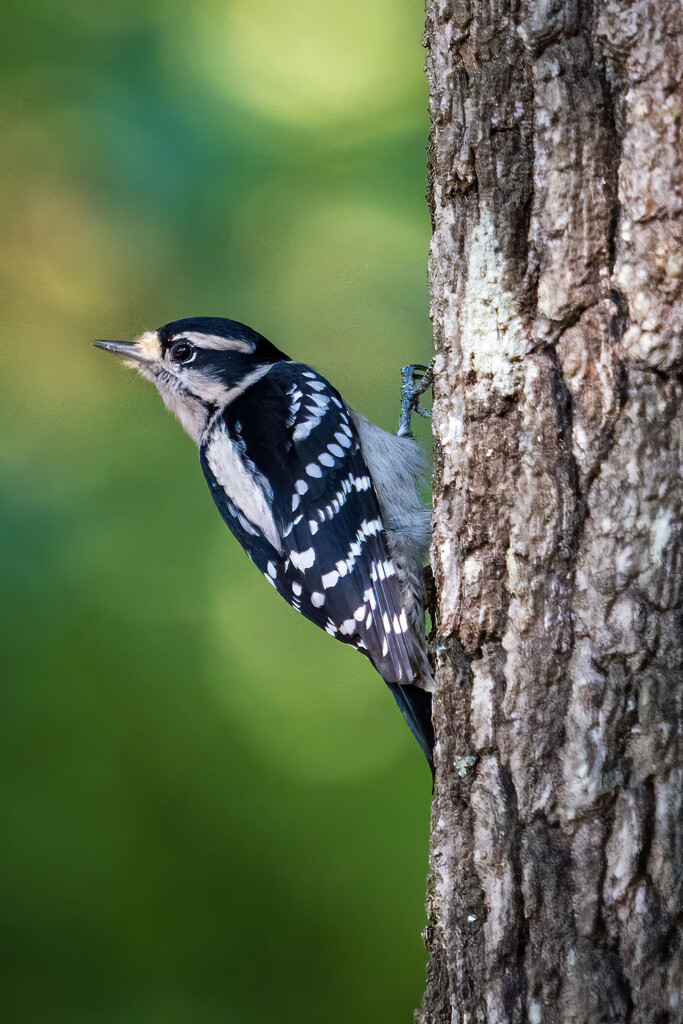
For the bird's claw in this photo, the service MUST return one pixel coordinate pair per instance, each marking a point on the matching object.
(416, 379)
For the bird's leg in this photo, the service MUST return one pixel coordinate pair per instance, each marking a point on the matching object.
(416, 380)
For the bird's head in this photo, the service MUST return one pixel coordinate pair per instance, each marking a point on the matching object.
(198, 365)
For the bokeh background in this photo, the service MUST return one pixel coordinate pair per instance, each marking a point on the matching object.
(212, 812)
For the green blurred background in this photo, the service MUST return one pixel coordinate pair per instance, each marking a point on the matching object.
(211, 811)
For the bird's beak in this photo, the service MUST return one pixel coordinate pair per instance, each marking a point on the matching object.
(127, 349)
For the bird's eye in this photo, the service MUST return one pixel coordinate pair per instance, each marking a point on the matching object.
(182, 352)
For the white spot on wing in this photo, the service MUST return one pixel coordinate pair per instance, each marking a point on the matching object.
(319, 401)
(330, 579)
(302, 430)
(303, 559)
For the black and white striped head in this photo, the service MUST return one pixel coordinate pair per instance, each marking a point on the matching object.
(198, 364)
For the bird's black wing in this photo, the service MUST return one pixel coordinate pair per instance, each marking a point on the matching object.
(317, 535)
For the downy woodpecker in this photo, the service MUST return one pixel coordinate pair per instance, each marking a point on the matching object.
(324, 502)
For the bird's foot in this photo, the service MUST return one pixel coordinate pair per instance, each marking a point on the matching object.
(416, 380)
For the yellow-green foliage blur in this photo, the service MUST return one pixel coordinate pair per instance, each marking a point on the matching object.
(212, 811)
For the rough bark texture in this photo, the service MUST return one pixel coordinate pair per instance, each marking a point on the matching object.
(557, 278)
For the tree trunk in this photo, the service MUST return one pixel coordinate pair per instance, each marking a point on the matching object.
(557, 271)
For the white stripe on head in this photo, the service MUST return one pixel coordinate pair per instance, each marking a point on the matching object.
(215, 342)
(212, 390)
(189, 393)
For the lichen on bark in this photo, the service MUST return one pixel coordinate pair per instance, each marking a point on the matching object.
(556, 268)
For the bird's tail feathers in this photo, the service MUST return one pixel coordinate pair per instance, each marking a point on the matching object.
(416, 706)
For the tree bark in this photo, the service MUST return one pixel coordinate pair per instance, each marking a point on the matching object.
(557, 277)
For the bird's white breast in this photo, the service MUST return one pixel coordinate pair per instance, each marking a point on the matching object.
(192, 413)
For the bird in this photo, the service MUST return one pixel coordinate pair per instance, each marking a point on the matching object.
(325, 503)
